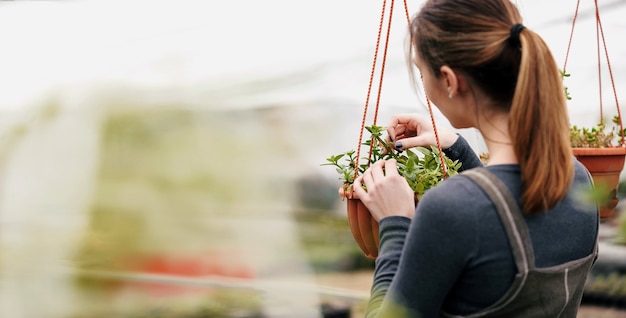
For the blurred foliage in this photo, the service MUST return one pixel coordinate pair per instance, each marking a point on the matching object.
(167, 178)
(606, 290)
(613, 284)
(149, 181)
(223, 304)
(329, 244)
(324, 231)
(620, 235)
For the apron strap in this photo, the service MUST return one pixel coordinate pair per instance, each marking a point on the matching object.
(510, 215)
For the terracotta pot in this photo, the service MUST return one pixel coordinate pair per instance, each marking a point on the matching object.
(605, 166)
(363, 226)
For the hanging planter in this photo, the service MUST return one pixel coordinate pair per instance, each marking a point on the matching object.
(596, 149)
(423, 169)
(600, 149)
(605, 166)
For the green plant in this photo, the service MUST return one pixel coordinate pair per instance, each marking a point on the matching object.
(565, 74)
(598, 136)
(421, 169)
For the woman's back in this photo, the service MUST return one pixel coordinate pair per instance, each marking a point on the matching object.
(484, 263)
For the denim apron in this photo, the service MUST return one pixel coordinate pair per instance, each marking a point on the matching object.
(536, 292)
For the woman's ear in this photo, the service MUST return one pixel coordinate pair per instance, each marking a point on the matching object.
(452, 80)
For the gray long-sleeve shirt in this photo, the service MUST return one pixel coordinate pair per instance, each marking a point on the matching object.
(454, 255)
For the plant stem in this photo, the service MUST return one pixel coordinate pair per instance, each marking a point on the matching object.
(386, 145)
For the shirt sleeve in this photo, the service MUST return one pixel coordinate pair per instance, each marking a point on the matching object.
(420, 260)
(393, 231)
(462, 151)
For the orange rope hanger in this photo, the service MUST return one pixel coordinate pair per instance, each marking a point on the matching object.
(599, 35)
(380, 84)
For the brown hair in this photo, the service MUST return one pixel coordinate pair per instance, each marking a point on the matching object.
(521, 77)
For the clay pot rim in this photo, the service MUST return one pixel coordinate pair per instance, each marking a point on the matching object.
(615, 151)
(351, 195)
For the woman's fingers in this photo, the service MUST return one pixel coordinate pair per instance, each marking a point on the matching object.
(376, 170)
(374, 174)
(357, 187)
(405, 126)
(399, 132)
(391, 168)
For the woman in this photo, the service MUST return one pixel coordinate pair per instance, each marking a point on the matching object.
(456, 254)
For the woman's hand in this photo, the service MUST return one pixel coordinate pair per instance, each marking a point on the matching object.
(414, 130)
(388, 193)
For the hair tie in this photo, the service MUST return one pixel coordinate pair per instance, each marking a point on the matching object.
(514, 37)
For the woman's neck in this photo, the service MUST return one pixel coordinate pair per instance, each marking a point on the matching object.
(495, 132)
(501, 154)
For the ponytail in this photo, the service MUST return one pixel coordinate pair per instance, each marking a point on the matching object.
(539, 127)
